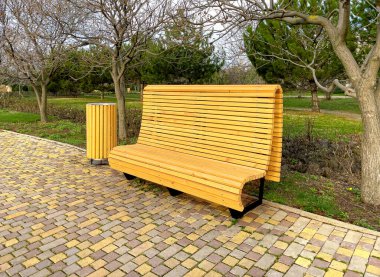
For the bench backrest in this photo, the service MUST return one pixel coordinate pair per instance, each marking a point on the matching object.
(239, 124)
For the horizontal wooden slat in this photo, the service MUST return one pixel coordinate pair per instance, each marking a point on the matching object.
(176, 183)
(214, 136)
(208, 180)
(249, 107)
(213, 88)
(195, 112)
(255, 148)
(168, 98)
(222, 169)
(217, 124)
(254, 162)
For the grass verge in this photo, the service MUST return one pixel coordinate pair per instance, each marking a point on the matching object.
(342, 105)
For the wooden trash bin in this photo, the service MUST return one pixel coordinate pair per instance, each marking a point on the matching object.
(101, 131)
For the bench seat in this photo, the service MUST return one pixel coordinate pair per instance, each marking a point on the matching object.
(212, 180)
(207, 141)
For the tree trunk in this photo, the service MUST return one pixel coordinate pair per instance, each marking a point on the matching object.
(328, 95)
(370, 147)
(314, 98)
(122, 112)
(42, 101)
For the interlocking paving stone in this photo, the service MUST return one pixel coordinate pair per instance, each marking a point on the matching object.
(61, 216)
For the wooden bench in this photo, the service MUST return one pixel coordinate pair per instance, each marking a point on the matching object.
(207, 141)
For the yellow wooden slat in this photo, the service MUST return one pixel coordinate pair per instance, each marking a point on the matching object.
(207, 180)
(168, 98)
(261, 103)
(259, 123)
(243, 132)
(256, 161)
(213, 88)
(266, 118)
(223, 170)
(244, 95)
(262, 107)
(255, 148)
(179, 184)
(195, 112)
(198, 130)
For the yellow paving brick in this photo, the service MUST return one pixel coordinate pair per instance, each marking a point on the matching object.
(361, 253)
(333, 273)
(75, 202)
(213, 273)
(374, 270)
(338, 233)
(246, 263)
(72, 243)
(52, 231)
(257, 236)
(109, 248)
(231, 261)
(98, 264)
(189, 263)
(101, 272)
(58, 257)
(345, 251)
(259, 249)
(143, 269)
(375, 253)
(338, 265)
(37, 226)
(312, 248)
(170, 240)
(85, 262)
(10, 242)
(240, 237)
(303, 262)
(291, 219)
(206, 265)
(190, 249)
(84, 253)
(118, 215)
(320, 237)
(190, 220)
(280, 267)
(281, 245)
(5, 258)
(260, 220)
(117, 273)
(12, 216)
(146, 229)
(172, 263)
(101, 244)
(141, 248)
(324, 256)
(196, 272)
(193, 237)
(171, 223)
(88, 222)
(84, 245)
(273, 222)
(31, 262)
(139, 260)
(367, 240)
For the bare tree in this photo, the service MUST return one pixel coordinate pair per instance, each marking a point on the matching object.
(121, 30)
(363, 74)
(35, 41)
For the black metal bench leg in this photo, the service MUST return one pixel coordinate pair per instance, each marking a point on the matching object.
(239, 214)
(174, 192)
(129, 176)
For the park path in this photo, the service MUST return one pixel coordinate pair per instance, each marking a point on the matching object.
(60, 216)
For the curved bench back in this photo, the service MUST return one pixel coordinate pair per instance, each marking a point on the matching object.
(239, 124)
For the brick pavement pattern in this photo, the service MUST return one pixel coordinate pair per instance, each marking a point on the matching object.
(60, 216)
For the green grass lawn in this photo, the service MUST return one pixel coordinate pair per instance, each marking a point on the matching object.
(324, 126)
(59, 130)
(132, 100)
(342, 105)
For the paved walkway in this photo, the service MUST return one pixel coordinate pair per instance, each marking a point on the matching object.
(60, 216)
